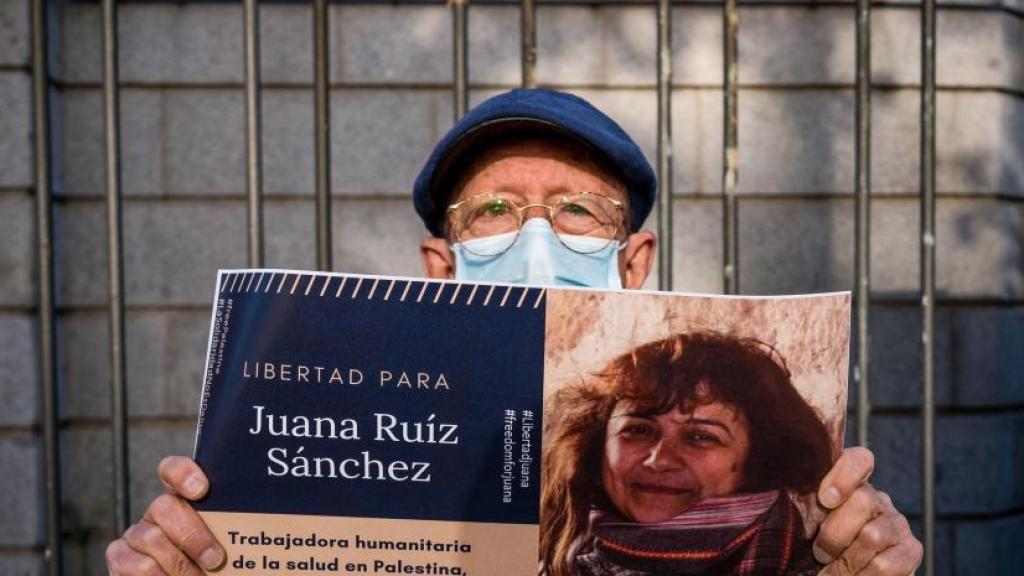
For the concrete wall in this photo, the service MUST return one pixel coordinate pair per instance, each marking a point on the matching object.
(184, 211)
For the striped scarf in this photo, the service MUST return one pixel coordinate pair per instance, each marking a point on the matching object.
(746, 535)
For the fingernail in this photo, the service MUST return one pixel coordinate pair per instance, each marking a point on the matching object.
(211, 559)
(194, 486)
(830, 498)
(820, 555)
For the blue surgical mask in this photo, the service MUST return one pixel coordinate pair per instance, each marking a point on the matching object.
(538, 258)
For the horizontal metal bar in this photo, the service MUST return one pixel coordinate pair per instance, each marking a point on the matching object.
(949, 411)
(62, 85)
(878, 301)
(281, 198)
(965, 517)
(21, 549)
(1014, 11)
(184, 421)
(399, 197)
(896, 4)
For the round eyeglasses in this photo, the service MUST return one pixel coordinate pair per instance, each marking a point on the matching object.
(584, 222)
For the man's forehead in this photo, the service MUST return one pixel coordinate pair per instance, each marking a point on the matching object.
(547, 149)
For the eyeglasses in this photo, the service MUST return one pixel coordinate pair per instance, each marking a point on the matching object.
(493, 215)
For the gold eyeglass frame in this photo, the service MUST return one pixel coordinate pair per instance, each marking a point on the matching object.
(620, 226)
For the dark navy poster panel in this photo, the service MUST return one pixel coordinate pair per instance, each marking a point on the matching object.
(426, 398)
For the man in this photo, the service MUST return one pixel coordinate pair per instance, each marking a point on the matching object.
(537, 186)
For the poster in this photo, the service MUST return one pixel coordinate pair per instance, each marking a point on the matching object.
(361, 424)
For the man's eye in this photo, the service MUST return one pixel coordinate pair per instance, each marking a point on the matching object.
(575, 209)
(495, 208)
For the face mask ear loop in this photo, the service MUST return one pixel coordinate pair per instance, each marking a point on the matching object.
(614, 278)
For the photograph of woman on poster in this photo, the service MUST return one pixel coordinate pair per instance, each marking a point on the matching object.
(681, 456)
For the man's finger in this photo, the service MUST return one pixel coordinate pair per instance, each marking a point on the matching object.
(148, 539)
(852, 469)
(900, 560)
(842, 526)
(183, 477)
(183, 526)
(121, 559)
(874, 538)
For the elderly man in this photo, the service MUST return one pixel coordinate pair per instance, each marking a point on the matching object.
(540, 187)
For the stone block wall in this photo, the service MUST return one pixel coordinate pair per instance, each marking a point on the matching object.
(182, 129)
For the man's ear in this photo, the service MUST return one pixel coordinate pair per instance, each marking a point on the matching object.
(637, 258)
(438, 260)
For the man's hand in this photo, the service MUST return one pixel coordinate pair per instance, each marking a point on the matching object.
(863, 533)
(171, 538)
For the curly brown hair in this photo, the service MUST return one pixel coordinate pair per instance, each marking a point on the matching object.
(790, 447)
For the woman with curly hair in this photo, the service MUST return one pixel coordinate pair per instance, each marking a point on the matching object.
(680, 458)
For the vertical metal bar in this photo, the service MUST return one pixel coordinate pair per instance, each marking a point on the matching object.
(323, 136)
(664, 17)
(528, 50)
(862, 288)
(730, 148)
(253, 174)
(119, 406)
(47, 319)
(460, 60)
(928, 279)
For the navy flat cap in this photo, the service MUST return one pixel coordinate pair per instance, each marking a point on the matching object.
(532, 111)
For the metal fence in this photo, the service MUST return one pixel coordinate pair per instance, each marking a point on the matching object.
(460, 14)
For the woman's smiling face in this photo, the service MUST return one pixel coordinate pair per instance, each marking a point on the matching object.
(656, 466)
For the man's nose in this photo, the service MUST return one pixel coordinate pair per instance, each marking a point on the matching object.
(664, 455)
